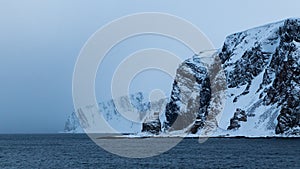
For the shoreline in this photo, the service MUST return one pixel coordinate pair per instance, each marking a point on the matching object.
(132, 136)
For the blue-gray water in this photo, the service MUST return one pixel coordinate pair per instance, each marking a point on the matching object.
(78, 151)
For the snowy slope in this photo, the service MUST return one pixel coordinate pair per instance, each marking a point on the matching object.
(249, 54)
(135, 103)
(254, 61)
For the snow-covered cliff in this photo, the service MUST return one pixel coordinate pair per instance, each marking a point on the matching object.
(262, 74)
(262, 68)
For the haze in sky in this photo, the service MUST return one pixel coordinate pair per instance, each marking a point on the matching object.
(40, 42)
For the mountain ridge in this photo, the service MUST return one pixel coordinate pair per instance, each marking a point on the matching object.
(262, 71)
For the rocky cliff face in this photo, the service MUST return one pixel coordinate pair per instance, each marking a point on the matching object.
(190, 96)
(264, 63)
(196, 98)
(262, 73)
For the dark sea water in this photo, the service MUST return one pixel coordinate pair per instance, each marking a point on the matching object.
(78, 151)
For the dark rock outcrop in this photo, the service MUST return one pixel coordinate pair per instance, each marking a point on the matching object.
(198, 124)
(152, 124)
(239, 115)
(285, 88)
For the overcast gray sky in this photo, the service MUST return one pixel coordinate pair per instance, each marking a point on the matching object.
(40, 41)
